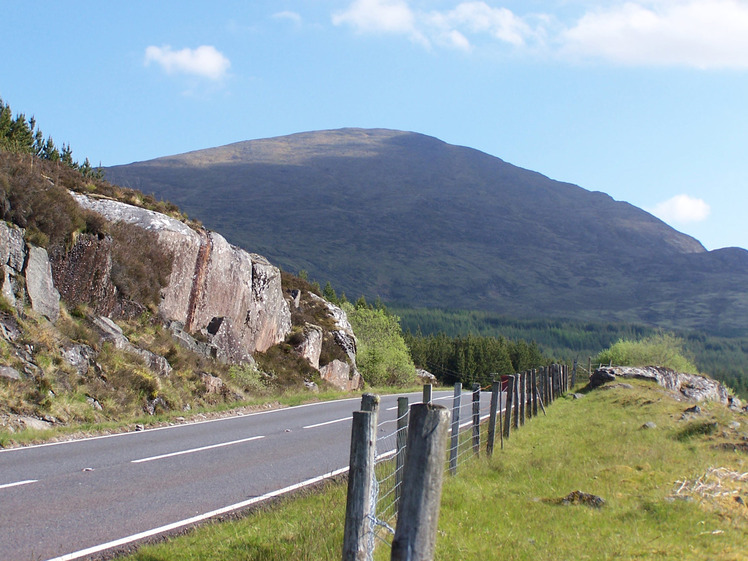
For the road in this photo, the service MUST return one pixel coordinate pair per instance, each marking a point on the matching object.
(75, 499)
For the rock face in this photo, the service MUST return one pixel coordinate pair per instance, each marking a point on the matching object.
(212, 282)
(691, 386)
(27, 274)
(342, 375)
(84, 275)
(310, 347)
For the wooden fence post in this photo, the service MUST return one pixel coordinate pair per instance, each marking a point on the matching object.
(358, 534)
(476, 419)
(402, 439)
(495, 389)
(455, 444)
(370, 402)
(427, 393)
(508, 406)
(522, 395)
(418, 514)
(515, 415)
(574, 374)
(534, 392)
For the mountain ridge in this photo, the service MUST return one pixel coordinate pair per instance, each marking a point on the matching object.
(414, 220)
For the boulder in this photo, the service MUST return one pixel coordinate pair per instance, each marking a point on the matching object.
(43, 296)
(425, 377)
(9, 373)
(338, 373)
(79, 357)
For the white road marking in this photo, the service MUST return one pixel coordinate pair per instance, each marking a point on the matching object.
(17, 483)
(195, 519)
(172, 454)
(327, 423)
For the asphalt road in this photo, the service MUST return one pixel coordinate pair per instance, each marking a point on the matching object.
(75, 499)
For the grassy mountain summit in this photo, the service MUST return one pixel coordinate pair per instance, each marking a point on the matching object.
(413, 220)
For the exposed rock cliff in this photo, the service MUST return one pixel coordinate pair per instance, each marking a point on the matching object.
(214, 287)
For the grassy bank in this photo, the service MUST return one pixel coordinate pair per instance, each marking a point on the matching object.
(670, 492)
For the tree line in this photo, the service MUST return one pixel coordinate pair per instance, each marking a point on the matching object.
(471, 358)
(21, 135)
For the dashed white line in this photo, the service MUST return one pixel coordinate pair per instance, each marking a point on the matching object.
(327, 423)
(18, 483)
(182, 452)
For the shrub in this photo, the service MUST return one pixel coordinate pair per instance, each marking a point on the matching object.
(382, 356)
(140, 264)
(662, 349)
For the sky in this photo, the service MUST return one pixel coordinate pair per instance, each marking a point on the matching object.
(646, 100)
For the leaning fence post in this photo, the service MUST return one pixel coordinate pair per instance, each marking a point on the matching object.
(495, 388)
(402, 438)
(508, 406)
(358, 534)
(427, 393)
(455, 444)
(418, 514)
(476, 419)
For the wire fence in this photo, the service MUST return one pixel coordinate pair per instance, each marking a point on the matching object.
(513, 400)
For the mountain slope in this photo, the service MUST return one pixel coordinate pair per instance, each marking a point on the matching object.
(414, 220)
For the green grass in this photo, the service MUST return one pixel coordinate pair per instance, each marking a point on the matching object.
(502, 508)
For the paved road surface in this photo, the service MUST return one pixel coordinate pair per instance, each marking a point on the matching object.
(68, 500)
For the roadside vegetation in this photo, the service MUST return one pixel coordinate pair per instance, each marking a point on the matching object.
(671, 493)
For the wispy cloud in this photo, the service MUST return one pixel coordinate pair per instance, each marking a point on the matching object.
(286, 15)
(682, 209)
(380, 16)
(204, 61)
(695, 33)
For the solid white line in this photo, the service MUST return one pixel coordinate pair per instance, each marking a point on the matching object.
(195, 450)
(17, 483)
(195, 519)
(327, 423)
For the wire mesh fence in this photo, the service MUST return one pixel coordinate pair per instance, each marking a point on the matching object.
(515, 399)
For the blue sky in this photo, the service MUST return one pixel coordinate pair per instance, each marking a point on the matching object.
(646, 100)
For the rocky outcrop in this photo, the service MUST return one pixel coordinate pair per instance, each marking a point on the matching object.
(691, 386)
(112, 332)
(310, 347)
(27, 274)
(212, 283)
(83, 274)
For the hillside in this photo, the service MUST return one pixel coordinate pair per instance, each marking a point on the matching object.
(419, 222)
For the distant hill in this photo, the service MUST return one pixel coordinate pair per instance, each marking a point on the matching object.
(415, 221)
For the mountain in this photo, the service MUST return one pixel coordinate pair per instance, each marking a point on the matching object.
(415, 221)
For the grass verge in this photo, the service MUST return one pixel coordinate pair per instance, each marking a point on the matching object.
(668, 493)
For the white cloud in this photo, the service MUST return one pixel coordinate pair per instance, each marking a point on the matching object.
(372, 16)
(682, 209)
(697, 33)
(293, 17)
(204, 61)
